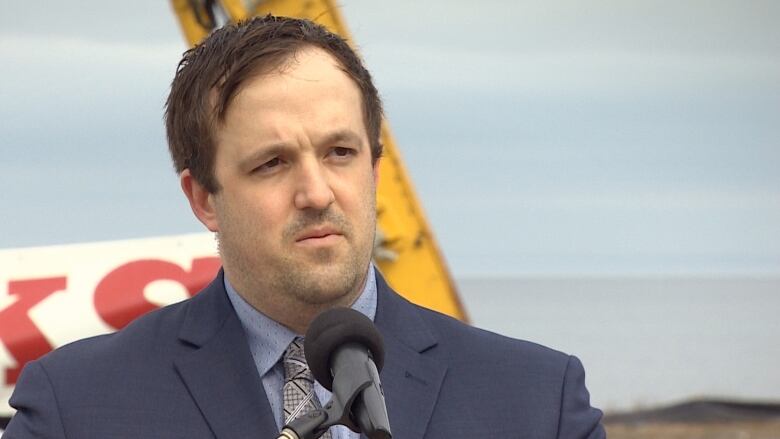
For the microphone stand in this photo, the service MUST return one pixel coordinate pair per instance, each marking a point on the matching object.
(315, 423)
(357, 379)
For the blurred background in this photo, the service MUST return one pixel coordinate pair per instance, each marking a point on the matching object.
(602, 176)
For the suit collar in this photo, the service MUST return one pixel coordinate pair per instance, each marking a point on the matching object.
(413, 371)
(219, 372)
(222, 378)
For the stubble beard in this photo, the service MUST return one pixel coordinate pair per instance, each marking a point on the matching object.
(320, 279)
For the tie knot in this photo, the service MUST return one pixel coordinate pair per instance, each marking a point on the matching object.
(294, 360)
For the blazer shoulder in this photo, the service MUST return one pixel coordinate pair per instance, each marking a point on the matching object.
(462, 340)
(448, 337)
(153, 332)
(158, 334)
(552, 382)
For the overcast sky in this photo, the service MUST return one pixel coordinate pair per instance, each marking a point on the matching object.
(566, 137)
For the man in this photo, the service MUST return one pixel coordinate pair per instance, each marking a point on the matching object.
(273, 126)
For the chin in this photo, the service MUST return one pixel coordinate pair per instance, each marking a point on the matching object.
(326, 296)
(330, 285)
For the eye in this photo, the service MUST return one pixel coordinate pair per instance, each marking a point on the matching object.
(269, 165)
(341, 151)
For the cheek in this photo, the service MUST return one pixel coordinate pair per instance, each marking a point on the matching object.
(245, 212)
(358, 194)
(271, 206)
(367, 204)
(268, 216)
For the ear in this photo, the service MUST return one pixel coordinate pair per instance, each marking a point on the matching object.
(201, 201)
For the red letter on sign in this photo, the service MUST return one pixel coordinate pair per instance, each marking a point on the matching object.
(119, 297)
(23, 339)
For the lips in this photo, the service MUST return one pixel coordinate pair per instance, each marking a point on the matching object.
(317, 232)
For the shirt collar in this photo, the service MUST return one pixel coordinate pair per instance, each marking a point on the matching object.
(268, 338)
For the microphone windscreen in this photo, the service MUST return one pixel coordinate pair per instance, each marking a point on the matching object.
(334, 328)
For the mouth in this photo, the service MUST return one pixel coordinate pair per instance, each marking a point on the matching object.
(318, 235)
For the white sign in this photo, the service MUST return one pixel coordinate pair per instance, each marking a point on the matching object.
(50, 296)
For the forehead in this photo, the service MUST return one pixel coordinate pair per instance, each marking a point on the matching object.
(309, 94)
(309, 75)
(307, 64)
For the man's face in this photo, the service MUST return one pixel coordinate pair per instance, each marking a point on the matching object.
(296, 214)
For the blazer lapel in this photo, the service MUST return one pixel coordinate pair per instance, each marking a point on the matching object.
(412, 374)
(220, 372)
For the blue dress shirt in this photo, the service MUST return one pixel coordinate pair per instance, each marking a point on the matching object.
(268, 339)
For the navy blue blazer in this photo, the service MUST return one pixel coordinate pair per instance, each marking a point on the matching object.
(185, 371)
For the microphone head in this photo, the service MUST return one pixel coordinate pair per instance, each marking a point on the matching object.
(334, 328)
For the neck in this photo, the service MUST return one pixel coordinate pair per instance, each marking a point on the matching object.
(288, 309)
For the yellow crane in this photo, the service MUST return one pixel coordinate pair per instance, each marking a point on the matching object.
(408, 254)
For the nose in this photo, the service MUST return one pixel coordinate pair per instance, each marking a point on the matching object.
(313, 190)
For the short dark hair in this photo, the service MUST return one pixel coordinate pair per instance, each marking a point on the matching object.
(212, 73)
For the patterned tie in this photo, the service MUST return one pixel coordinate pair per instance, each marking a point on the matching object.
(299, 396)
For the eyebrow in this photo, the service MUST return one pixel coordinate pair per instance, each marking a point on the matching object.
(346, 136)
(343, 136)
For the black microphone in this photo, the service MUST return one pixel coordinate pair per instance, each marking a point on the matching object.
(345, 353)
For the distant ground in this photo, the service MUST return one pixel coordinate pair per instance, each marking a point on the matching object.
(690, 420)
(698, 420)
(728, 430)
